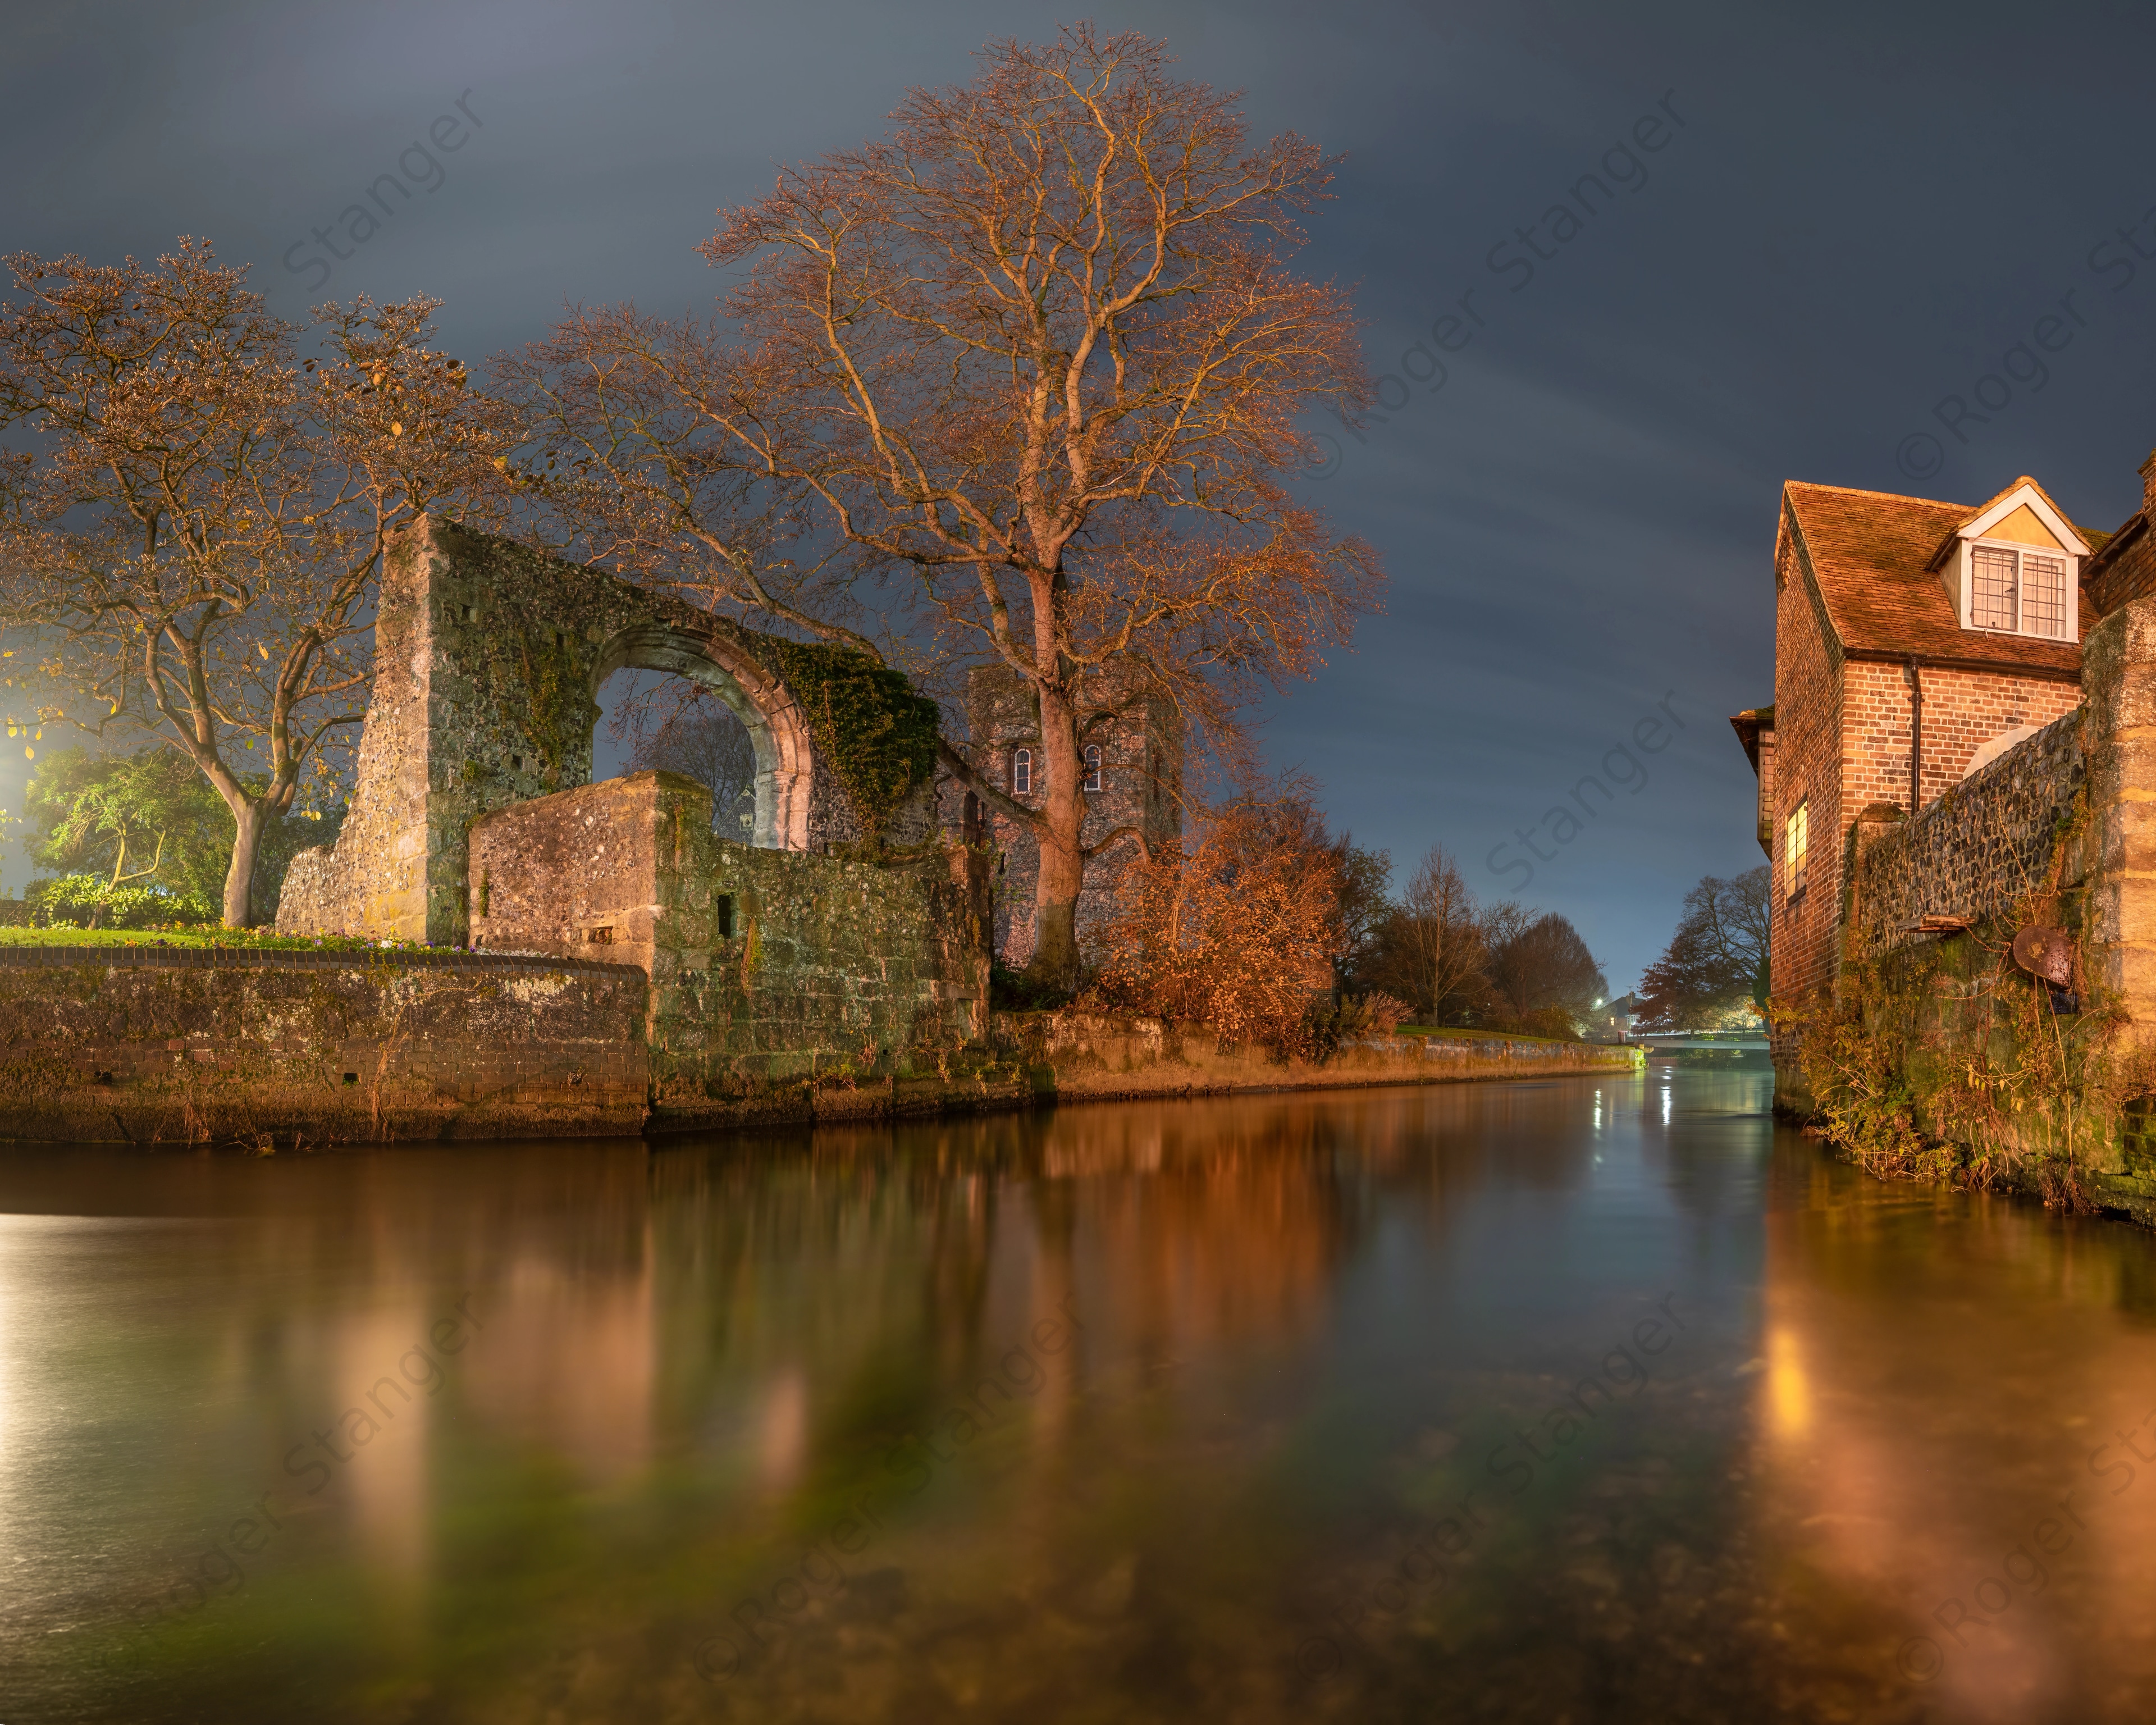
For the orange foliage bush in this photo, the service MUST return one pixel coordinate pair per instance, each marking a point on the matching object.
(1238, 931)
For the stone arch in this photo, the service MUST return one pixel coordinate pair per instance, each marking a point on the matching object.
(784, 754)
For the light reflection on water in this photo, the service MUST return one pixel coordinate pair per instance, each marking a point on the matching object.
(1343, 1407)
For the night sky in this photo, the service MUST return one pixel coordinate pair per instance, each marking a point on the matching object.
(1832, 220)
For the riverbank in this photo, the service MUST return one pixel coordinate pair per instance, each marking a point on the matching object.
(1035, 1059)
(270, 1051)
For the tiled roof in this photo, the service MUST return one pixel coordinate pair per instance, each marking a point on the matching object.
(1870, 549)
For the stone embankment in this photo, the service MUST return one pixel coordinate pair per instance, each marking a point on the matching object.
(285, 1049)
(181, 1045)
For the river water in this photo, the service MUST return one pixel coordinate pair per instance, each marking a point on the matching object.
(1583, 1399)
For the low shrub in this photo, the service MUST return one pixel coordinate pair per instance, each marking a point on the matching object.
(86, 901)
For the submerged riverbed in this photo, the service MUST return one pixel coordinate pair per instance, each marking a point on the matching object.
(1589, 1399)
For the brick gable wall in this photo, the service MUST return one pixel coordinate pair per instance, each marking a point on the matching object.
(2125, 575)
(1808, 752)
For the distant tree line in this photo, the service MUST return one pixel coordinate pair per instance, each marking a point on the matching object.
(1458, 961)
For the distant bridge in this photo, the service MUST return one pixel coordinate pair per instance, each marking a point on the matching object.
(1668, 1040)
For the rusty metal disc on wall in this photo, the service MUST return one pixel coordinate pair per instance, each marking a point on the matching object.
(2047, 953)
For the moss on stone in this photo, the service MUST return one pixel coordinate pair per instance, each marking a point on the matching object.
(878, 735)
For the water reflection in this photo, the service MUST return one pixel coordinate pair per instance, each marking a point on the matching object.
(1334, 1408)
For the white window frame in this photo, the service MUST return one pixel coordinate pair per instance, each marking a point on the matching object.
(1095, 760)
(2020, 551)
(1021, 773)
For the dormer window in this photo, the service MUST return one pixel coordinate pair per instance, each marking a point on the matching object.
(2012, 588)
(2014, 567)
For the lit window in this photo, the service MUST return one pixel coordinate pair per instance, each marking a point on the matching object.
(2019, 591)
(1796, 848)
(1093, 767)
(1022, 771)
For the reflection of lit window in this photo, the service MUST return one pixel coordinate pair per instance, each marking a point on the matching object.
(1796, 849)
(1093, 767)
(2023, 591)
(1022, 771)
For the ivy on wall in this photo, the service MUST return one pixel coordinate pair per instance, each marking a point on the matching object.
(875, 733)
(553, 684)
(1943, 1060)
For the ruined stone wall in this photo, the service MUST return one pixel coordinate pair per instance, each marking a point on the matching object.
(488, 658)
(765, 965)
(185, 1045)
(1982, 845)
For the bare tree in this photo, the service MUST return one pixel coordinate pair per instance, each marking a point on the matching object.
(643, 452)
(1716, 960)
(194, 545)
(1444, 933)
(1038, 351)
(700, 739)
(1363, 875)
(1541, 973)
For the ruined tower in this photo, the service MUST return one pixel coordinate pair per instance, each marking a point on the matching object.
(1132, 743)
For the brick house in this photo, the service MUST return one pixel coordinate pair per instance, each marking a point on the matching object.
(1914, 641)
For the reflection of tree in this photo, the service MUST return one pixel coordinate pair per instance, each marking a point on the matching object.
(1229, 1230)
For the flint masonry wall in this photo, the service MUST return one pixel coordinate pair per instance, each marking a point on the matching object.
(178, 1046)
(1975, 852)
(1983, 845)
(765, 965)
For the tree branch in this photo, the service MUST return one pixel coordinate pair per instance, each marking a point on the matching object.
(964, 771)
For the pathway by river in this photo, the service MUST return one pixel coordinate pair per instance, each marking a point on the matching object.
(1584, 1399)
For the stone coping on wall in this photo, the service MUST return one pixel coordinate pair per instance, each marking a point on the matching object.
(251, 958)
